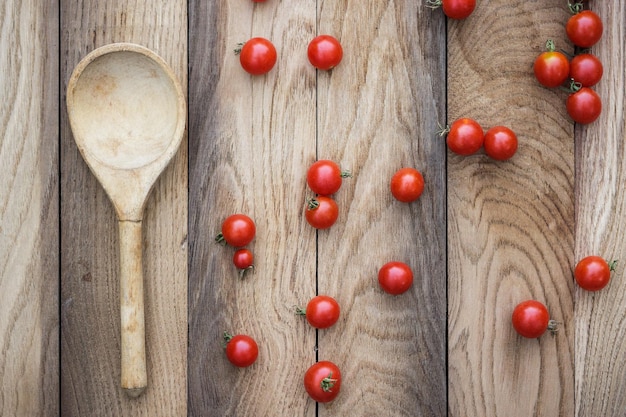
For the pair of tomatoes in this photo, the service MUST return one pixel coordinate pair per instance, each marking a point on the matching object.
(238, 230)
(324, 178)
(258, 55)
(465, 137)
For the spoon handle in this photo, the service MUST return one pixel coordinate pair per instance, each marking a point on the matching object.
(134, 375)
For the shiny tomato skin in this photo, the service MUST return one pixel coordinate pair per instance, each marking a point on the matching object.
(322, 212)
(322, 381)
(325, 52)
(500, 143)
(584, 106)
(241, 350)
(322, 311)
(324, 177)
(407, 185)
(551, 68)
(587, 69)
(530, 319)
(395, 277)
(465, 137)
(592, 273)
(258, 56)
(238, 230)
(243, 258)
(584, 29)
(458, 9)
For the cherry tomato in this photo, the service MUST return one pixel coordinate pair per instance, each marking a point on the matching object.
(551, 68)
(500, 143)
(395, 277)
(237, 230)
(584, 29)
(531, 319)
(325, 52)
(593, 273)
(325, 177)
(454, 9)
(322, 381)
(243, 259)
(584, 106)
(321, 212)
(407, 185)
(586, 69)
(257, 56)
(321, 312)
(241, 350)
(465, 136)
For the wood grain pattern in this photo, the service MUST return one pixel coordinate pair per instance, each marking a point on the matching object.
(510, 224)
(250, 140)
(90, 318)
(29, 233)
(378, 112)
(600, 224)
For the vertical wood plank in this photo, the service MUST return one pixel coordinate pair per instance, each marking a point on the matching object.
(601, 204)
(250, 139)
(510, 224)
(29, 232)
(378, 112)
(90, 329)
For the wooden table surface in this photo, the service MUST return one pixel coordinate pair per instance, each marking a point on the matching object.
(483, 236)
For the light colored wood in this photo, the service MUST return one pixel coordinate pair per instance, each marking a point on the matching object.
(378, 112)
(511, 223)
(90, 259)
(128, 115)
(29, 232)
(251, 138)
(600, 225)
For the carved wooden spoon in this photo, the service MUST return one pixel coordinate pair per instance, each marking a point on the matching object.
(128, 113)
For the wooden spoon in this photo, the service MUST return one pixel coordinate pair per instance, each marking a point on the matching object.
(128, 113)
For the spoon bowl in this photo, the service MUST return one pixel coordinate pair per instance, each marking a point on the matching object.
(127, 112)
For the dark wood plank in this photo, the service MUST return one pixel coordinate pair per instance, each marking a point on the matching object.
(90, 328)
(29, 209)
(250, 139)
(378, 112)
(601, 204)
(511, 223)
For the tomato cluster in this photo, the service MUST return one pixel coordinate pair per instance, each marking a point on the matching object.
(554, 69)
(238, 230)
(466, 137)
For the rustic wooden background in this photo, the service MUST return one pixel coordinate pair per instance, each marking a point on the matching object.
(484, 235)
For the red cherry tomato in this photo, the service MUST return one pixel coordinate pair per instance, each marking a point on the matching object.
(454, 9)
(500, 143)
(325, 52)
(465, 136)
(584, 106)
(322, 381)
(243, 259)
(325, 177)
(407, 185)
(551, 68)
(593, 273)
(237, 230)
(531, 319)
(241, 350)
(321, 312)
(586, 69)
(584, 29)
(257, 56)
(395, 277)
(321, 212)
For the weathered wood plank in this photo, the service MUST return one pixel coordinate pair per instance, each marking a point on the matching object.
(29, 232)
(601, 204)
(378, 112)
(90, 318)
(510, 224)
(250, 139)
